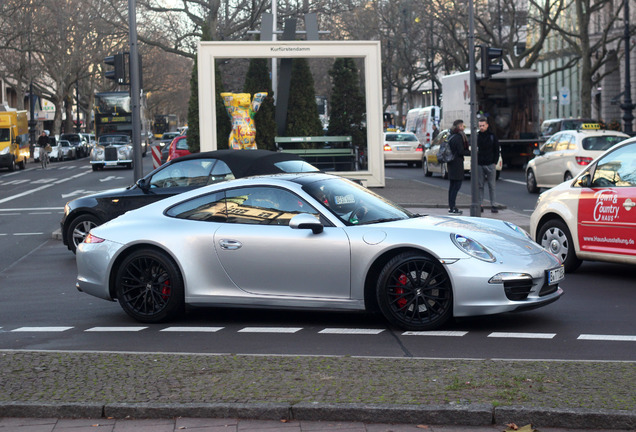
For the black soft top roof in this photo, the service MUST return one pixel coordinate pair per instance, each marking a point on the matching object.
(245, 163)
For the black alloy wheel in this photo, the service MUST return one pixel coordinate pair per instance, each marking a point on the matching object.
(414, 292)
(149, 286)
(79, 228)
(531, 182)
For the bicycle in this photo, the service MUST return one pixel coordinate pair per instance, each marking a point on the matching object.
(44, 157)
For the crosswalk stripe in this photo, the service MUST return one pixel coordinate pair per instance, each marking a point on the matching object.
(41, 329)
(621, 338)
(522, 335)
(435, 333)
(116, 329)
(350, 331)
(270, 330)
(192, 329)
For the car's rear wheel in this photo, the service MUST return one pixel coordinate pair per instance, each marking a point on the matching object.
(555, 236)
(567, 176)
(79, 229)
(427, 172)
(414, 292)
(531, 182)
(149, 286)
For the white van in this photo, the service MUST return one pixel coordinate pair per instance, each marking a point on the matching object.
(421, 122)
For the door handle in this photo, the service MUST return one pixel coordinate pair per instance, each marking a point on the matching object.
(230, 244)
(628, 204)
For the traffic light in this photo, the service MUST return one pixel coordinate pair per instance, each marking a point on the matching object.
(491, 61)
(119, 73)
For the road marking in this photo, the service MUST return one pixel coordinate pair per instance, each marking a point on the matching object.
(11, 214)
(41, 329)
(350, 331)
(31, 209)
(270, 330)
(621, 338)
(522, 335)
(39, 213)
(435, 333)
(20, 195)
(28, 234)
(116, 329)
(519, 182)
(192, 329)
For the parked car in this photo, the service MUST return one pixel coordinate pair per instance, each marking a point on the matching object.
(63, 151)
(431, 165)
(177, 176)
(79, 141)
(178, 147)
(316, 241)
(551, 126)
(592, 217)
(566, 153)
(112, 150)
(402, 147)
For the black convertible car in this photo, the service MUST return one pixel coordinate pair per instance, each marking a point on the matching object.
(177, 176)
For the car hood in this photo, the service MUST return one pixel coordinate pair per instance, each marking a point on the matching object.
(496, 235)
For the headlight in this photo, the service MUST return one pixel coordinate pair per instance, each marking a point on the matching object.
(4, 151)
(518, 229)
(99, 152)
(124, 151)
(472, 248)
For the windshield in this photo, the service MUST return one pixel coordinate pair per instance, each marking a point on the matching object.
(295, 166)
(354, 204)
(107, 140)
(400, 137)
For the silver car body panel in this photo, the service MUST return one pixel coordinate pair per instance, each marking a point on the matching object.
(278, 266)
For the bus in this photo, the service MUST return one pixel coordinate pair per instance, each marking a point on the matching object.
(113, 115)
(164, 123)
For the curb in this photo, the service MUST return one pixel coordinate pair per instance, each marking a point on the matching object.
(453, 415)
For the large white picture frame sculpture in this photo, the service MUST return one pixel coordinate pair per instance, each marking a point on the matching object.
(368, 50)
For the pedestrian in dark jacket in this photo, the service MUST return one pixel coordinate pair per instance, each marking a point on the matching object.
(487, 158)
(458, 144)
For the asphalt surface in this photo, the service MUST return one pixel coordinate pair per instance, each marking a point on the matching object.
(105, 391)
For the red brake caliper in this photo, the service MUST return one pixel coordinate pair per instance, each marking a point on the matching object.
(402, 280)
(165, 290)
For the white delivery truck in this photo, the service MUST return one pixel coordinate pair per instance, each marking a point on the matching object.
(421, 121)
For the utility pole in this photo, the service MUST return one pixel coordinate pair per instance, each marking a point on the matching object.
(627, 106)
(135, 91)
(475, 203)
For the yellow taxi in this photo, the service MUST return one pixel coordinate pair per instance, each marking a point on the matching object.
(593, 216)
(566, 153)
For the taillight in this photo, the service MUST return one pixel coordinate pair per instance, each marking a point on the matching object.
(90, 238)
(581, 160)
(419, 148)
(387, 147)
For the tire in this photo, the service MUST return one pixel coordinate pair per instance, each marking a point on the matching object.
(12, 164)
(22, 165)
(555, 236)
(414, 292)
(567, 176)
(444, 171)
(78, 230)
(149, 286)
(531, 182)
(427, 172)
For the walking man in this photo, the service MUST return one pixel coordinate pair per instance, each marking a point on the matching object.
(487, 158)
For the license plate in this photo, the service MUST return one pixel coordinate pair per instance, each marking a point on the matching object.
(404, 148)
(111, 163)
(556, 275)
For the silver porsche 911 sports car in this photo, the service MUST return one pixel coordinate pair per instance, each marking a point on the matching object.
(312, 241)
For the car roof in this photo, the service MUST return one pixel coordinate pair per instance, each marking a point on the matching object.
(244, 163)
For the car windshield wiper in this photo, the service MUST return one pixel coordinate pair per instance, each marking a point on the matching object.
(381, 220)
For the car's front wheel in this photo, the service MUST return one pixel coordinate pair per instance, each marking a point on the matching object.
(531, 182)
(427, 172)
(79, 229)
(149, 286)
(555, 236)
(414, 292)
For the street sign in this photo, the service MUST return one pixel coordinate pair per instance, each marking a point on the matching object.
(564, 96)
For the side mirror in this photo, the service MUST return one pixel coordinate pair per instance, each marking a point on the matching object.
(306, 221)
(143, 184)
(585, 180)
(537, 152)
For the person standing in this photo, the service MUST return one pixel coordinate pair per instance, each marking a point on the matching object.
(458, 144)
(487, 158)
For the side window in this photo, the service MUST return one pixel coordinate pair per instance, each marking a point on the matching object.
(220, 172)
(210, 208)
(264, 206)
(617, 168)
(564, 142)
(193, 173)
(550, 144)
